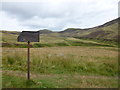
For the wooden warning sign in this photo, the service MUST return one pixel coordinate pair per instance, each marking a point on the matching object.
(31, 36)
(28, 36)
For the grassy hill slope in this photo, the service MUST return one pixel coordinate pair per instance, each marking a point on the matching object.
(107, 31)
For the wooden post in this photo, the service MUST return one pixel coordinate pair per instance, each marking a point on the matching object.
(28, 62)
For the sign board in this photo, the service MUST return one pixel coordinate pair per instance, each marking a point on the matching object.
(31, 36)
(28, 36)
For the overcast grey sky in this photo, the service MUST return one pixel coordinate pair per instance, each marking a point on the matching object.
(56, 15)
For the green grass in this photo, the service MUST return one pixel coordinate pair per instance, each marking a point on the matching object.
(66, 42)
(15, 82)
(8, 37)
(60, 62)
(91, 61)
(58, 81)
(53, 40)
(61, 67)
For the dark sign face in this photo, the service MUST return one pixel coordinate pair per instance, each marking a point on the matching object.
(31, 36)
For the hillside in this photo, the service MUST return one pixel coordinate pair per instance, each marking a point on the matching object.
(107, 31)
(45, 31)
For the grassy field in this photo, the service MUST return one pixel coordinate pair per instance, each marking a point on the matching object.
(53, 40)
(59, 62)
(61, 67)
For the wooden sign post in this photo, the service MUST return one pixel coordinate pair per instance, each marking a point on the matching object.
(28, 60)
(28, 36)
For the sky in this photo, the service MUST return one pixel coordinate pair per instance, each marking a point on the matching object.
(55, 15)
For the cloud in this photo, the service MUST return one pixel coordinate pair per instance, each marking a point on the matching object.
(57, 14)
(8, 23)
